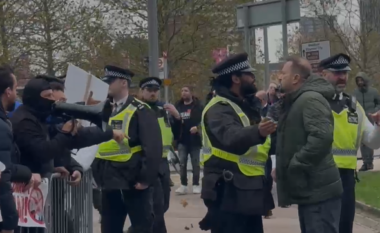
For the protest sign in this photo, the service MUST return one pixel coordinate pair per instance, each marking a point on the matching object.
(30, 204)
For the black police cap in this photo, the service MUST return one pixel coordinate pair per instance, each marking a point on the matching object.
(238, 62)
(150, 82)
(113, 72)
(338, 62)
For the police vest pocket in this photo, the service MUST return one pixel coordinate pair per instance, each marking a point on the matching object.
(243, 195)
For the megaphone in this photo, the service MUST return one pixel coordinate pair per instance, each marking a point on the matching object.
(98, 114)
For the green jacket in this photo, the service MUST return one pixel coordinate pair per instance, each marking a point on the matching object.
(305, 168)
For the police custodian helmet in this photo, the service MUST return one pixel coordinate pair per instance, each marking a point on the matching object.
(234, 63)
(336, 63)
(113, 72)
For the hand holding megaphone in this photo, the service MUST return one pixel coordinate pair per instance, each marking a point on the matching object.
(70, 127)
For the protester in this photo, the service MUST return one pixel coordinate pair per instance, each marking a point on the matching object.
(235, 150)
(271, 92)
(263, 97)
(188, 137)
(9, 154)
(37, 152)
(17, 104)
(126, 171)
(369, 99)
(305, 170)
(351, 129)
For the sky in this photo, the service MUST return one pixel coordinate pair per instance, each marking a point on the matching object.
(275, 32)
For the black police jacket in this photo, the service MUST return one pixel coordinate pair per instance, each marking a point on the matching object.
(143, 167)
(226, 132)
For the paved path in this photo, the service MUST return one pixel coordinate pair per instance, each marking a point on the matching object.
(185, 219)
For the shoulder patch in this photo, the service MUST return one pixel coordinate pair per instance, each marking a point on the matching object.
(138, 104)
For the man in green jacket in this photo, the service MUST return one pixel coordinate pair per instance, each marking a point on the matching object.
(306, 173)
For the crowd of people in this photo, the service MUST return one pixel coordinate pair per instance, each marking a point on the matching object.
(303, 133)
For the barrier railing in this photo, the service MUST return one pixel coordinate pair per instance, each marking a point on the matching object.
(68, 209)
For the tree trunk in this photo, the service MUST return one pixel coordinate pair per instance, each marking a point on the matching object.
(3, 34)
(49, 41)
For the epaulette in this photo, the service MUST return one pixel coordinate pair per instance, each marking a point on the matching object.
(139, 105)
(350, 102)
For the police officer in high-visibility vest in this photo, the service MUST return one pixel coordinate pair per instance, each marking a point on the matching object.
(126, 171)
(351, 129)
(235, 150)
(149, 92)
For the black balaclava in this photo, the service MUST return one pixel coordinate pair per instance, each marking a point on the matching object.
(32, 98)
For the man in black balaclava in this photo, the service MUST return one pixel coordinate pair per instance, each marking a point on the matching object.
(30, 131)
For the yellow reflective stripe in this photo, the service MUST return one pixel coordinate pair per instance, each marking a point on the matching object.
(122, 151)
(236, 158)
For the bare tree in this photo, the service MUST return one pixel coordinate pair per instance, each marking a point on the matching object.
(354, 29)
(54, 32)
(11, 16)
(188, 32)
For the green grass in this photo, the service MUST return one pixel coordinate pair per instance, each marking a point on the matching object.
(368, 189)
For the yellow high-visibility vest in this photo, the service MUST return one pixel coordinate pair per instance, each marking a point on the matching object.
(119, 152)
(167, 136)
(348, 133)
(252, 162)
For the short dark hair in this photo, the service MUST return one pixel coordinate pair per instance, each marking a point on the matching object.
(190, 87)
(298, 67)
(56, 86)
(6, 79)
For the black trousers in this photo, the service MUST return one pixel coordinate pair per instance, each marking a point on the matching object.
(268, 199)
(118, 204)
(161, 199)
(347, 215)
(237, 223)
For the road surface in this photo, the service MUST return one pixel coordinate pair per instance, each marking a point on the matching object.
(185, 219)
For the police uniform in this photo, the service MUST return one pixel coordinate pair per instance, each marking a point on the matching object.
(118, 167)
(351, 129)
(233, 155)
(161, 194)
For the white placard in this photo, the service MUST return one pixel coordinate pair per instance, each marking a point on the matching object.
(78, 86)
(79, 83)
(314, 52)
(30, 204)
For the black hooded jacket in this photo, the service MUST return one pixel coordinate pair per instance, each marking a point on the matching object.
(181, 128)
(14, 172)
(31, 134)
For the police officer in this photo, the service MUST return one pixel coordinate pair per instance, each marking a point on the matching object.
(126, 171)
(235, 150)
(351, 129)
(150, 90)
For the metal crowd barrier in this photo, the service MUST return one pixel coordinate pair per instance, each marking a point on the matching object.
(68, 209)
